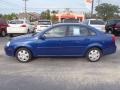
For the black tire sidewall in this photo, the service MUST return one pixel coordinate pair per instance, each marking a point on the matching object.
(30, 55)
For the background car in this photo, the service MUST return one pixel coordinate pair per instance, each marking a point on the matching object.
(96, 23)
(70, 21)
(113, 26)
(20, 26)
(43, 24)
(3, 27)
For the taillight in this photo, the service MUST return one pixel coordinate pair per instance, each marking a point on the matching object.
(113, 38)
(23, 25)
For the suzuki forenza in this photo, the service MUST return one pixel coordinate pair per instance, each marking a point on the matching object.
(62, 40)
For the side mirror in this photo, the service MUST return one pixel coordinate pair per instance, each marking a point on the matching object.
(42, 37)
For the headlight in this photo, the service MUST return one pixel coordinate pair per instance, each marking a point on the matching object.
(8, 44)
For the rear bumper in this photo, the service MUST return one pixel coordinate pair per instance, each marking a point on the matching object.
(109, 50)
(17, 30)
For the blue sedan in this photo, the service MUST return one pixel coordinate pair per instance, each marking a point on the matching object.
(62, 40)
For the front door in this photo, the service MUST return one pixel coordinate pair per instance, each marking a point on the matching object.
(50, 46)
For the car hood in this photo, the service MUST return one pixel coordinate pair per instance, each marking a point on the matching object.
(22, 38)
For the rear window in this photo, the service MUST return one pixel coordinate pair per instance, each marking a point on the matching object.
(44, 23)
(2, 21)
(70, 21)
(16, 22)
(97, 22)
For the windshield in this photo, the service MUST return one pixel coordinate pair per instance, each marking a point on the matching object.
(16, 22)
(44, 23)
(97, 22)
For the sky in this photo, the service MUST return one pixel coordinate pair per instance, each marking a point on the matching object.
(9, 6)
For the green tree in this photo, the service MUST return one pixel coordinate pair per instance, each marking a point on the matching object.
(53, 16)
(10, 16)
(107, 11)
(46, 14)
(1, 15)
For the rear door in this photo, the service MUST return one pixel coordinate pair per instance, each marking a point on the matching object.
(76, 41)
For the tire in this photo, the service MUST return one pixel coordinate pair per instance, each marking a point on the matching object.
(23, 55)
(94, 54)
(10, 35)
(110, 32)
(28, 31)
(3, 33)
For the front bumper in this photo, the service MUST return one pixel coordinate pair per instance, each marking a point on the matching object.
(9, 51)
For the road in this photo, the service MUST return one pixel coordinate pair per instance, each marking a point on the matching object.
(59, 73)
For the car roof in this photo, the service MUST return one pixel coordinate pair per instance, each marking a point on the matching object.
(69, 24)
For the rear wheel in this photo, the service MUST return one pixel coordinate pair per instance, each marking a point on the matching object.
(110, 32)
(10, 35)
(3, 33)
(28, 31)
(23, 55)
(94, 54)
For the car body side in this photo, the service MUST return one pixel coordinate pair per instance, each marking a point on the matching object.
(100, 40)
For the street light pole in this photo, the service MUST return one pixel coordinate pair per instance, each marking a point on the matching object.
(25, 8)
(92, 7)
(99, 2)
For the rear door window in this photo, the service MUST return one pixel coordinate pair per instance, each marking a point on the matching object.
(78, 31)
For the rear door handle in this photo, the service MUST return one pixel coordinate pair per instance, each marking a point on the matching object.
(87, 39)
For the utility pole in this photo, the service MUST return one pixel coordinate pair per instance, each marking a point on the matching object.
(25, 8)
(92, 8)
(99, 2)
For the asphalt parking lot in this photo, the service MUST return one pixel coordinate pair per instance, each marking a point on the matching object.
(59, 73)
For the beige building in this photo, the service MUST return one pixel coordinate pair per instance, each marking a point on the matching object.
(70, 15)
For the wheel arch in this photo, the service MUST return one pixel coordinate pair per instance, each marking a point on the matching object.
(23, 47)
(94, 46)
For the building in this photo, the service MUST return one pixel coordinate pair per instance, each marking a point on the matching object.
(70, 15)
(30, 16)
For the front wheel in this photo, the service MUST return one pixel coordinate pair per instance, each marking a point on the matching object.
(23, 55)
(94, 54)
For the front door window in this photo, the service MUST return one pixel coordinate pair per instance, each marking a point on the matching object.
(56, 32)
